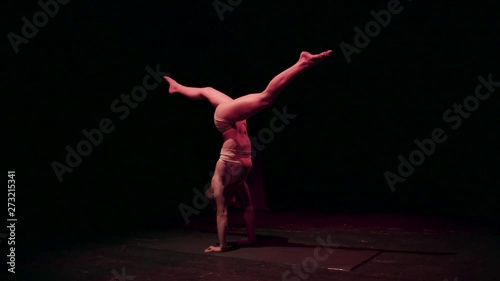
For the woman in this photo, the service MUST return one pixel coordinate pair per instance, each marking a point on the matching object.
(235, 161)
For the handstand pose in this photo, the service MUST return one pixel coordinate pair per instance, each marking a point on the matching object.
(235, 163)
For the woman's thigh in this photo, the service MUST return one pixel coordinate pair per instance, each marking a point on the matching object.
(242, 108)
(232, 173)
(244, 194)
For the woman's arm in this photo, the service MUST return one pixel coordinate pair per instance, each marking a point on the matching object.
(221, 224)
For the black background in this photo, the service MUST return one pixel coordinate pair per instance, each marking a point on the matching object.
(353, 120)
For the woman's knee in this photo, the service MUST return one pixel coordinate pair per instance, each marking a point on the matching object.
(208, 89)
(266, 99)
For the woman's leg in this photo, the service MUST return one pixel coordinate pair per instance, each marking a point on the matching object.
(212, 95)
(247, 106)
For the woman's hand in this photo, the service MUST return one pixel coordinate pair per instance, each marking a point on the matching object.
(214, 249)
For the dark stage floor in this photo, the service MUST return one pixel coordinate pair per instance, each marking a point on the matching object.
(292, 246)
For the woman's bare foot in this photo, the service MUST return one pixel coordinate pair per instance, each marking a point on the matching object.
(173, 85)
(308, 60)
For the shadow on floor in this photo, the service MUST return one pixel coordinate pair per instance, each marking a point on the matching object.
(279, 241)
